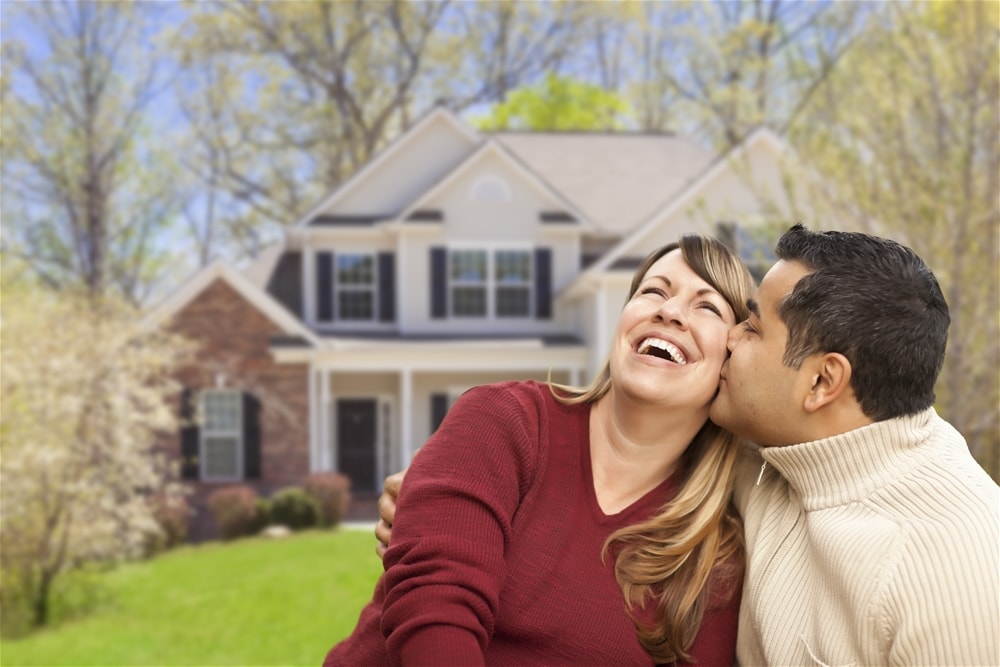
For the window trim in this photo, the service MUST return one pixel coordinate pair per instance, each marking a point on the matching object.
(490, 283)
(339, 287)
(528, 285)
(204, 433)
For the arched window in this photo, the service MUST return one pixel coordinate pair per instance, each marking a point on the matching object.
(490, 188)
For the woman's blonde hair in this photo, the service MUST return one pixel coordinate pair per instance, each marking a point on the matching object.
(669, 558)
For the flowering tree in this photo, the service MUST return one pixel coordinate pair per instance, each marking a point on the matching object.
(911, 150)
(85, 394)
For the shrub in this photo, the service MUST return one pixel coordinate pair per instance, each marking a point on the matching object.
(172, 513)
(292, 507)
(235, 510)
(331, 493)
(262, 518)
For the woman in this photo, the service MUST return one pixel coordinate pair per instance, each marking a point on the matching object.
(534, 507)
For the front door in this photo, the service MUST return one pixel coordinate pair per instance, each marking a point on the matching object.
(356, 442)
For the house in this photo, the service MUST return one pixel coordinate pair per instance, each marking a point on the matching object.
(453, 258)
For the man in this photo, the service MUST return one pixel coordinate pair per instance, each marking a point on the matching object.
(871, 532)
(875, 539)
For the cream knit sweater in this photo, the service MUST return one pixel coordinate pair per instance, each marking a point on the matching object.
(880, 546)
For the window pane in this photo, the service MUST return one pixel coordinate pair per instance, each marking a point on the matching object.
(355, 305)
(222, 411)
(221, 458)
(756, 247)
(468, 265)
(513, 266)
(513, 302)
(469, 301)
(355, 270)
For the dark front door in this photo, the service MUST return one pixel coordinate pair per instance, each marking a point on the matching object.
(356, 442)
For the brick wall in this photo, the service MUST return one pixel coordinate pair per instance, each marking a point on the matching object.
(233, 339)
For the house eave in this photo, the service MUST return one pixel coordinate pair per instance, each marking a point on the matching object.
(362, 354)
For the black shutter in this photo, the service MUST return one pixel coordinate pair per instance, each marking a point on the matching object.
(251, 436)
(189, 435)
(386, 287)
(439, 408)
(324, 286)
(439, 283)
(543, 283)
(285, 283)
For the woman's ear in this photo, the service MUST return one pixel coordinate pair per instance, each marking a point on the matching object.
(831, 379)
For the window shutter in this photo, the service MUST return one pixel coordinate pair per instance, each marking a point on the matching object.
(439, 408)
(439, 283)
(386, 287)
(324, 286)
(251, 436)
(189, 435)
(543, 283)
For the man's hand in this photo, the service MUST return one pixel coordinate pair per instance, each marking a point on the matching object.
(387, 511)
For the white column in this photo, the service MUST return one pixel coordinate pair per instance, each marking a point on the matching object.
(308, 284)
(602, 329)
(406, 415)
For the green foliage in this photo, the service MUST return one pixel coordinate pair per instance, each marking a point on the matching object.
(910, 149)
(331, 493)
(74, 595)
(294, 508)
(262, 517)
(249, 602)
(559, 103)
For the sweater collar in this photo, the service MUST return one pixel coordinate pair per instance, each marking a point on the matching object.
(850, 466)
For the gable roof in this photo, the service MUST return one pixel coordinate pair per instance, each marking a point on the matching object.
(616, 179)
(681, 198)
(366, 171)
(491, 147)
(257, 297)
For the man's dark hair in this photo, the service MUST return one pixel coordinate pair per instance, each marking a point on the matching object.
(877, 303)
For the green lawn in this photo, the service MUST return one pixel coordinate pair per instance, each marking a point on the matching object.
(249, 602)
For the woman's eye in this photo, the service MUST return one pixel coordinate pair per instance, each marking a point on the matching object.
(712, 307)
(653, 290)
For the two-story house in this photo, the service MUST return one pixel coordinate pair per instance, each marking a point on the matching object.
(453, 258)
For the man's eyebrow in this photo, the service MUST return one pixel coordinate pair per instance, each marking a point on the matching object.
(754, 308)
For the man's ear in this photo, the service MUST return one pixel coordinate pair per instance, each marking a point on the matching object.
(831, 379)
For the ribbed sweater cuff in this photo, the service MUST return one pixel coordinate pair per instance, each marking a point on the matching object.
(442, 646)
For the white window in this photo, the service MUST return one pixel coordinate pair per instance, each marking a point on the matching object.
(221, 435)
(484, 283)
(355, 286)
(469, 283)
(512, 271)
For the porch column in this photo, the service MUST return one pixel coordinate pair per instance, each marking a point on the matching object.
(406, 415)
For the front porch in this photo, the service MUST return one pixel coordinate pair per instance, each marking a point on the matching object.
(373, 404)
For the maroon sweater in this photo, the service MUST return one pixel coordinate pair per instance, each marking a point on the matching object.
(496, 549)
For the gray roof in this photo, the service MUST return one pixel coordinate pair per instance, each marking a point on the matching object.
(617, 179)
